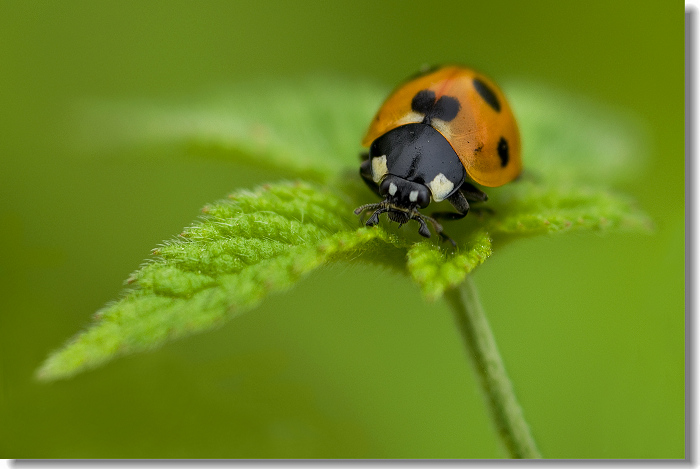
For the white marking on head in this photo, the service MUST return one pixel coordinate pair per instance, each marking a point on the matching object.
(379, 168)
(413, 196)
(440, 187)
(392, 188)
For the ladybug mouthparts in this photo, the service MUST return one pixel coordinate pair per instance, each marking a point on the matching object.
(398, 217)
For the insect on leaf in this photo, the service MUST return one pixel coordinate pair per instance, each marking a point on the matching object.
(256, 243)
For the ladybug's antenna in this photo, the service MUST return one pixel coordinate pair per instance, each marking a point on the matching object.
(366, 207)
(379, 208)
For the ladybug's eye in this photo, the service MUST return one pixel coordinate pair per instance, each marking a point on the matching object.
(419, 195)
(423, 198)
(387, 187)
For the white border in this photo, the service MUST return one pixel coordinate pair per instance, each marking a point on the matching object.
(692, 282)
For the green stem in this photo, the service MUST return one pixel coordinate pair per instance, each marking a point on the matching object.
(505, 410)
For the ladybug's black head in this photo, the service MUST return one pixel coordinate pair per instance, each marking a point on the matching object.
(402, 199)
(404, 194)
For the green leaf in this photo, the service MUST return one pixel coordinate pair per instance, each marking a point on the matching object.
(257, 243)
(526, 208)
(244, 248)
(436, 270)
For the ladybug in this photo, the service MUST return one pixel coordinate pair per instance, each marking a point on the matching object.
(434, 138)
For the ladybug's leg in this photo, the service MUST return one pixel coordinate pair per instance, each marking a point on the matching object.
(475, 195)
(424, 231)
(459, 202)
(366, 173)
(472, 193)
(374, 219)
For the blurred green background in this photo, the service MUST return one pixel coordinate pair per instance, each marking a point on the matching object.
(352, 363)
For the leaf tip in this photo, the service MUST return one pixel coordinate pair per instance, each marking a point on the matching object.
(51, 371)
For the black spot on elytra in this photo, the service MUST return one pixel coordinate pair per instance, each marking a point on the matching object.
(423, 101)
(446, 108)
(487, 94)
(503, 151)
